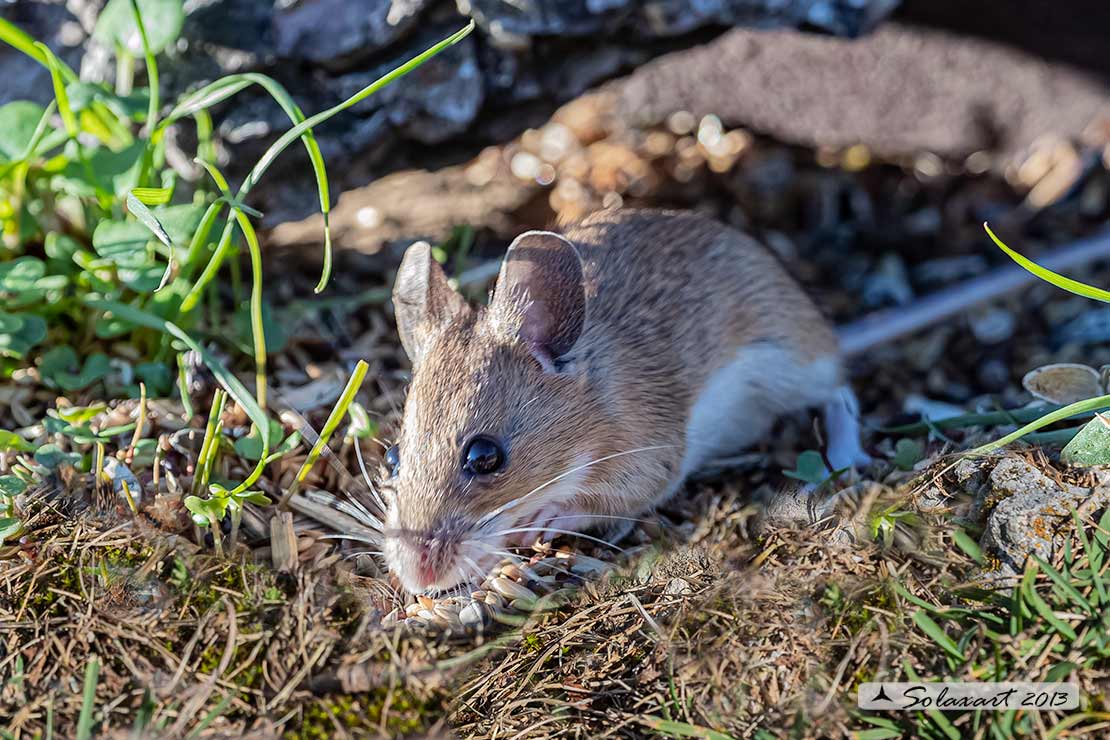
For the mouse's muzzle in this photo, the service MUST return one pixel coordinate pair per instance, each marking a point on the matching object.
(433, 559)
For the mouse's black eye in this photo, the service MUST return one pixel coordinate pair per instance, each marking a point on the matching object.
(393, 459)
(483, 456)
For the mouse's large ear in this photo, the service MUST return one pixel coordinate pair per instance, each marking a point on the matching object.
(422, 299)
(540, 294)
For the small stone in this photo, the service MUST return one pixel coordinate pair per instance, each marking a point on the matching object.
(1026, 511)
(678, 587)
(475, 614)
(425, 601)
(512, 572)
(888, 284)
(586, 566)
(412, 609)
(495, 600)
(993, 325)
(523, 605)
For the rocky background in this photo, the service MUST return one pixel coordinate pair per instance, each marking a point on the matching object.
(935, 77)
(526, 58)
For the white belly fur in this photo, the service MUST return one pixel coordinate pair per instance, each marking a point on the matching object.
(741, 400)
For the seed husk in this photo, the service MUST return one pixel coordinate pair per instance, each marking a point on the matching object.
(511, 589)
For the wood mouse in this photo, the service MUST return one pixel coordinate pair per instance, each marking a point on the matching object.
(612, 361)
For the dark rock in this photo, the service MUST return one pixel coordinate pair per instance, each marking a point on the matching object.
(431, 104)
(511, 22)
(50, 23)
(244, 26)
(526, 57)
(1090, 327)
(324, 30)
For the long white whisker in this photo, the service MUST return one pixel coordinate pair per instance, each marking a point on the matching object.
(516, 502)
(353, 537)
(354, 508)
(351, 555)
(599, 516)
(366, 476)
(561, 531)
(524, 561)
(476, 570)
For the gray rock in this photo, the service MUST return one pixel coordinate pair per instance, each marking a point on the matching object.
(324, 30)
(512, 21)
(526, 57)
(1028, 512)
(888, 284)
(1090, 327)
(430, 105)
(52, 24)
(992, 325)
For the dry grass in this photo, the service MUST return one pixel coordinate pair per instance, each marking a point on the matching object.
(719, 630)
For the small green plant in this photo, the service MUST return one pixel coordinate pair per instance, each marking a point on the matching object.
(809, 468)
(102, 242)
(907, 453)
(884, 523)
(1093, 429)
(1052, 625)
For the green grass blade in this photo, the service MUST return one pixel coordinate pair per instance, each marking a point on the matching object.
(64, 110)
(210, 444)
(1029, 591)
(39, 133)
(336, 416)
(1072, 286)
(88, 699)
(1064, 585)
(199, 241)
(292, 134)
(877, 734)
(20, 40)
(224, 377)
(153, 196)
(681, 729)
(223, 249)
(219, 709)
(305, 126)
(232, 84)
(1089, 405)
(1071, 721)
(139, 210)
(151, 69)
(926, 624)
(257, 331)
(970, 547)
(1093, 559)
(183, 387)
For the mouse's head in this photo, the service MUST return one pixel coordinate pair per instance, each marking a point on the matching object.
(496, 419)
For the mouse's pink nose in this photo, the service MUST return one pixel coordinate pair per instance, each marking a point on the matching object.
(426, 569)
(431, 555)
